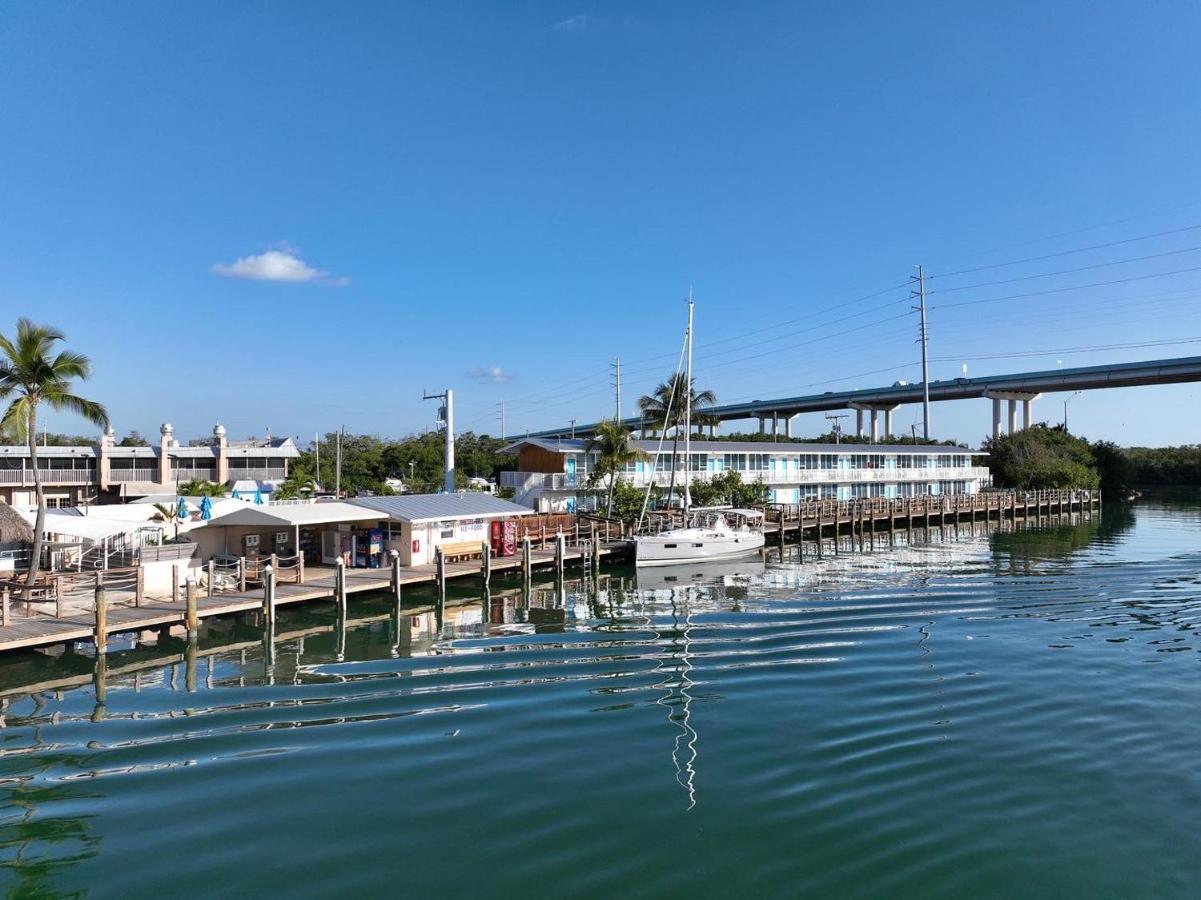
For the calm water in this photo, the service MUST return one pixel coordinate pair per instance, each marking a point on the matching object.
(1002, 714)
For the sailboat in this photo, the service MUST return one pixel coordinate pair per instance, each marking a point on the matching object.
(708, 533)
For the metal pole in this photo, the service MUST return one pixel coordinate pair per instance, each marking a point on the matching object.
(924, 338)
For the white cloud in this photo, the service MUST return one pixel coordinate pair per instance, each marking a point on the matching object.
(575, 23)
(490, 375)
(277, 265)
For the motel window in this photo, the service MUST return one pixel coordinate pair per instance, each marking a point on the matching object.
(829, 492)
(758, 462)
(829, 461)
(736, 461)
(809, 461)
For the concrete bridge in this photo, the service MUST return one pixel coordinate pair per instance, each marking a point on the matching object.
(1021, 388)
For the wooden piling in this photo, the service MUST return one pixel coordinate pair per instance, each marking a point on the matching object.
(299, 566)
(526, 559)
(560, 553)
(440, 564)
(396, 577)
(242, 574)
(4, 603)
(59, 587)
(269, 592)
(191, 616)
(212, 576)
(174, 583)
(486, 562)
(340, 586)
(100, 632)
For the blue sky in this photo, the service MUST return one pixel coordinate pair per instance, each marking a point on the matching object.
(301, 215)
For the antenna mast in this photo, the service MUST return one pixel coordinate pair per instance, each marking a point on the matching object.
(924, 338)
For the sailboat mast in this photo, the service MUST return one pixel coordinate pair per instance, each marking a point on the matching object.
(688, 417)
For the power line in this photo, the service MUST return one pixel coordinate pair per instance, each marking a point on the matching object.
(1079, 287)
(1102, 265)
(1045, 256)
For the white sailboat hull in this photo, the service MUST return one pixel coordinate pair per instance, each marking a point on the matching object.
(694, 545)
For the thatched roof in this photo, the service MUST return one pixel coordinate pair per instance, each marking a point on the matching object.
(13, 527)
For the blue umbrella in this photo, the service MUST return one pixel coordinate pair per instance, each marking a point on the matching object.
(206, 508)
(237, 495)
(258, 497)
(181, 512)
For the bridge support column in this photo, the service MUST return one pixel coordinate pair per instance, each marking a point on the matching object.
(875, 409)
(762, 425)
(859, 423)
(775, 425)
(1026, 398)
(788, 426)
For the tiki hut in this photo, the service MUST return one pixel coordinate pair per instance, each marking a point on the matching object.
(15, 532)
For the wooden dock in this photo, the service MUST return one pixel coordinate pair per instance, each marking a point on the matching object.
(40, 628)
(91, 615)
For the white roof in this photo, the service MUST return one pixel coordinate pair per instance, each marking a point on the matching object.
(274, 515)
(88, 528)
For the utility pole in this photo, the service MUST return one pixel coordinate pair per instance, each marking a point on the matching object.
(446, 418)
(501, 404)
(924, 338)
(338, 465)
(616, 367)
(573, 429)
(317, 445)
(836, 425)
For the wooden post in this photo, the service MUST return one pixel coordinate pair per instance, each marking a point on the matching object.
(174, 583)
(596, 550)
(486, 561)
(577, 531)
(440, 563)
(300, 566)
(191, 617)
(212, 577)
(837, 523)
(58, 596)
(242, 573)
(269, 592)
(396, 576)
(139, 588)
(340, 585)
(560, 548)
(4, 601)
(100, 634)
(526, 558)
(274, 562)
(542, 535)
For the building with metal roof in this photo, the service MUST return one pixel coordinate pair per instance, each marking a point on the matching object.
(419, 523)
(553, 474)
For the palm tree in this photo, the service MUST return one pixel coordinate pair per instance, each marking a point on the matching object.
(614, 448)
(33, 373)
(665, 407)
(167, 514)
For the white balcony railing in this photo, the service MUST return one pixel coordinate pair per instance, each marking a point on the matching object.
(258, 474)
(49, 476)
(127, 475)
(528, 481)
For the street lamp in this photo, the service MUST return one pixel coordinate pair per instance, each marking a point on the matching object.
(1070, 398)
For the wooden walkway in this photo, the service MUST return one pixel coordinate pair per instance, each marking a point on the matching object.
(41, 629)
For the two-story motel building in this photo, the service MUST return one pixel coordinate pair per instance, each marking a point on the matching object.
(107, 473)
(552, 474)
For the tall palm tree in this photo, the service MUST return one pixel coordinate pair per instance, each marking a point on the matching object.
(665, 407)
(614, 448)
(34, 372)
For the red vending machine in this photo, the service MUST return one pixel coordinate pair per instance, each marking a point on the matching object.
(503, 537)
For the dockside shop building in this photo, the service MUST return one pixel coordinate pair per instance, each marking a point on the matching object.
(417, 524)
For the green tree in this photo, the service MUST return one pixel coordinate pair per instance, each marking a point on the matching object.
(34, 372)
(199, 487)
(167, 514)
(1041, 458)
(615, 449)
(665, 408)
(729, 488)
(133, 439)
(1115, 469)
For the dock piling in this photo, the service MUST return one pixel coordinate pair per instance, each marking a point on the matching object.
(191, 617)
(486, 562)
(4, 601)
(269, 592)
(100, 634)
(526, 558)
(440, 563)
(560, 553)
(396, 576)
(340, 585)
(212, 573)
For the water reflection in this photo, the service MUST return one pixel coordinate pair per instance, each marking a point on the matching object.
(863, 655)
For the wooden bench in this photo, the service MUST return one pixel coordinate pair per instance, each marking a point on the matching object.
(457, 550)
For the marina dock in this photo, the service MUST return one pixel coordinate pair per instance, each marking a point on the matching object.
(89, 607)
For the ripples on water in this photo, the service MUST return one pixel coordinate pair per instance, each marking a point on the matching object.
(989, 715)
